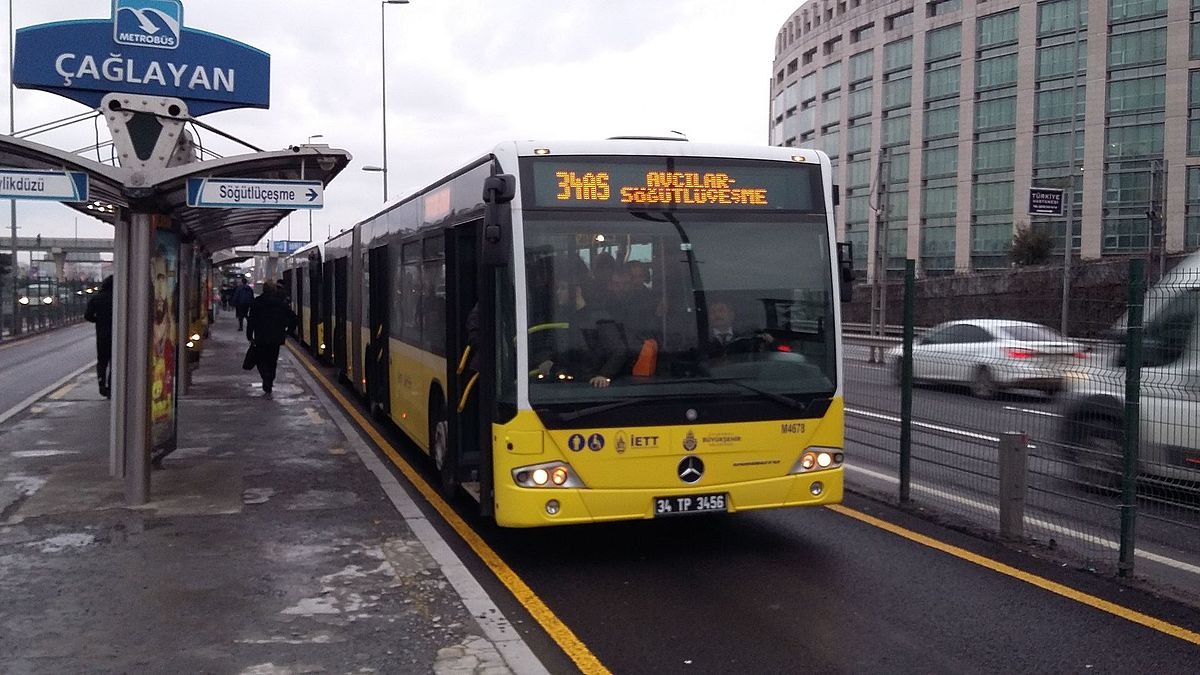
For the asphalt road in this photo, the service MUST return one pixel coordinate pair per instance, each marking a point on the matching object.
(29, 365)
(809, 589)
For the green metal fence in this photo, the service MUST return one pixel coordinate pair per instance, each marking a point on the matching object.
(1090, 446)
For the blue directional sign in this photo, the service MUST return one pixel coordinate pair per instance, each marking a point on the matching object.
(58, 186)
(144, 49)
(253, 193)
(287, 245)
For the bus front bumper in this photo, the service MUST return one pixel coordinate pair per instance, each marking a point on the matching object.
(532, 507)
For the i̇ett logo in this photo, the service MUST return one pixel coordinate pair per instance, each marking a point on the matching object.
(148, 23)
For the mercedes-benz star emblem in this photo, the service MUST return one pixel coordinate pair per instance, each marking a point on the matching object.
(691, 469)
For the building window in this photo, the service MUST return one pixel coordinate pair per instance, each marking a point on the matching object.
(808, 87)
(941, 122)
(858, 173)
(995, 156)
(1059, 16)
(996, 72)
(942, 83)
(996, 113)
(1056, 61)
(1192, 209)
(1142, 93)
(791, 98)
(1055, 104)
(831, 109)
(863, 33)
(860, 102)
(859, 138)
(897, 92)
(1140, 48)
(1194, 113)
(896, 130)
(1194, 52)
(940, 162)
(943, 43)
(861, 66)
(897, 55)
(942, 7)
(996, 29)
(832, 76)
(832, 45)
(793, 66)
(898, 20)
(1124, 10)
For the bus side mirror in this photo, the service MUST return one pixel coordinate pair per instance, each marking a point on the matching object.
(845, 251)
(498, 191)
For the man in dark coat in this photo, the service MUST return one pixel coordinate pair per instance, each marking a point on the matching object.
(268, 323)
(243, 296)
(99, 312)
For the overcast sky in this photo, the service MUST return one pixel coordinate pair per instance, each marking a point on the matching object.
(462, 76)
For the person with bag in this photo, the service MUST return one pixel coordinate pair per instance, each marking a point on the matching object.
(267, 325)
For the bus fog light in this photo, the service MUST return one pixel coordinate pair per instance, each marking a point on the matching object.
(824, 459)
(816, 488)
(559, 475)
(808, 460)
(540, 476)
(552, 507)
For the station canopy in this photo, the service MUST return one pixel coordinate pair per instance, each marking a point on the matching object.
(165, 190)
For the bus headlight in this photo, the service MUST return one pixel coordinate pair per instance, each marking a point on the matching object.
(816, 458)
(550, 474)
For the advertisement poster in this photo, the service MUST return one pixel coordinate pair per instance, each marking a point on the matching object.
(164, 340)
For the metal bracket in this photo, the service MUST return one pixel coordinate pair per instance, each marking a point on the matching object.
(148, 130)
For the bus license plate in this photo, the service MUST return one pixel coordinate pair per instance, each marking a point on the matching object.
(674, 506)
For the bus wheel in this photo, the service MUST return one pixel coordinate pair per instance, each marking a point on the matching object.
(439, 447)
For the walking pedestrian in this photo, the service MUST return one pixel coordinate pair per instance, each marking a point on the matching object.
(99, 312)
(243, 297)
(269, 321)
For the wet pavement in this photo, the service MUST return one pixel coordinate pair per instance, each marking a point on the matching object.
(274, 543)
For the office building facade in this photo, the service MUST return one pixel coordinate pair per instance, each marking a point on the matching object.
(939, 116)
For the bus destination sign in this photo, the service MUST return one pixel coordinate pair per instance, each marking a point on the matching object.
(621, 183)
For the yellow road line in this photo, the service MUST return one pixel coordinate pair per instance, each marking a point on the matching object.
(1045, 584)
(63, 391)
(549, 621)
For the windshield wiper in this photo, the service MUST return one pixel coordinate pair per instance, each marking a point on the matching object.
(778, 398)
(605, 407)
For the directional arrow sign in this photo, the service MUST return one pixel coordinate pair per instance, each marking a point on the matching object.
(58, 186)
(252, 193)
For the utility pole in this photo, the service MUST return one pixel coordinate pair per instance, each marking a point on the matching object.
(1069, 196)
(1157, 239)
(16, 306)
(879, 287)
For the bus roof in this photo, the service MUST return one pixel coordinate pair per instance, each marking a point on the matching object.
(680, 148)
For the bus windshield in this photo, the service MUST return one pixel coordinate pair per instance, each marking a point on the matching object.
(646, 305)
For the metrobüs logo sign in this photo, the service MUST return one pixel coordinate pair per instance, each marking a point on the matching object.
(148, 23)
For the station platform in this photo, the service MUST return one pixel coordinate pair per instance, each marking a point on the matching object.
(275, 542)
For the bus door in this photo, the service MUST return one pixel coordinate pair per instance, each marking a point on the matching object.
(465, 428)
(378, 295)
(341, 314)
(326, 352)
(313, 302)
(298, 293)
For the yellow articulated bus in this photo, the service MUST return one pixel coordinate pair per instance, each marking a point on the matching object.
(580, 332)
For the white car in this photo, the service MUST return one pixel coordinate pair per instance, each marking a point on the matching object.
(991, 355)
(1093, 403)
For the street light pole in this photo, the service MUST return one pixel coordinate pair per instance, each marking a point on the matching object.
(383, 84)
(310, 140)
(1069, 197)
(16, 325)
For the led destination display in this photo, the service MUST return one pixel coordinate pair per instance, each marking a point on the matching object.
(658, 183)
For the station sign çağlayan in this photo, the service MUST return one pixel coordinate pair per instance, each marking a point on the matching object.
(58, 186)
(252, 193)
(143, 49)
